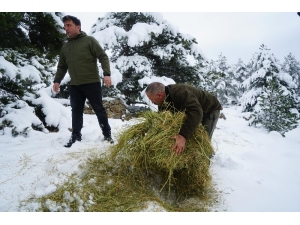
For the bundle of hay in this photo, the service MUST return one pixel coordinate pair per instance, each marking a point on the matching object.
(139, 169)
(145, 151)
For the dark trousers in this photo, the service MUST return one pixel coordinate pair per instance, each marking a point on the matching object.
(210, 122)
(78, 96)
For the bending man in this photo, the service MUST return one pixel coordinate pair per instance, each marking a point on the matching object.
(199, 107)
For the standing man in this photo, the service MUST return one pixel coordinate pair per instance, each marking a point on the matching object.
(199, 107)
(79, 57)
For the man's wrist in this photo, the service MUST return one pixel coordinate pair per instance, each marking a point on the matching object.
(182, 135)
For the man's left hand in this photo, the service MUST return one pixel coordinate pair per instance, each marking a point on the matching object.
(107, 81)
(179, 144)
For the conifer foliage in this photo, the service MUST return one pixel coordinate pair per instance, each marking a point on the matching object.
(227, 85)
(145, 45)
(25, 31)
(241, 73)
(275, 111)
(29, 45)
(141, 46)
(292, 67)
(220, 80)
(270, 94)
(267, 69)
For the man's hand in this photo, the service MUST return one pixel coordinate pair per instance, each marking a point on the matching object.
(179, 144)
(107, 81)
(56, 87)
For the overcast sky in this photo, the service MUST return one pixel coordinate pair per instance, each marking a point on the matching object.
(229, 27)
(235, 35)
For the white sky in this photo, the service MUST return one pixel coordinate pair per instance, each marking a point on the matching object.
(233, 29)
(235, 35)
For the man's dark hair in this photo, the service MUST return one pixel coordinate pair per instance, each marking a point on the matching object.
(75, 20)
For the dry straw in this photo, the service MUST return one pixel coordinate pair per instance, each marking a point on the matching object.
(146, 149)
(141, 168)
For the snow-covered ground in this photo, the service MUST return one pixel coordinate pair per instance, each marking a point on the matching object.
(255, 171)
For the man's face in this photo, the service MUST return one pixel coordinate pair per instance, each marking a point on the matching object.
(157, 99)
(71, 29)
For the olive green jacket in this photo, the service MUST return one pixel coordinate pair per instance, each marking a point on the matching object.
(193, 101)
(79, 57)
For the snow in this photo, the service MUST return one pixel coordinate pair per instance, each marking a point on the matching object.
(142, 32)
(255, 171)
(58, 20)
(288, 79)
(267, 68)
(31, 73)
(108, 35)
(139, 63)
(10, 69)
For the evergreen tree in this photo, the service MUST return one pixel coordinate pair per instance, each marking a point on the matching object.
(30, 43)
(275, 109)
(32, 30)
(45, 33)
(143, 44)
(211, 75)
(292, 67)
(267, 69)
(204, 69)
(224, 84)
(12, 34)
(241, 73)
(232, 88)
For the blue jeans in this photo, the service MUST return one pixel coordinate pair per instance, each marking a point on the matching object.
(78, 96)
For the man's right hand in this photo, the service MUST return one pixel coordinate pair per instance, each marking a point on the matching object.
(56, 87)
(107, 81)
(179, 144)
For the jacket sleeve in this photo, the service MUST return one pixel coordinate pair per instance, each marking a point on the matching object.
(100, 54)
(187, 102)
(62, 68)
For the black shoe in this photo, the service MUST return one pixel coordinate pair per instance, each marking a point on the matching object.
(74, 137)
(108, 139)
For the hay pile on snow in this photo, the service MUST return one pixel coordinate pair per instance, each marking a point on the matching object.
(141, 170)
(145, 150)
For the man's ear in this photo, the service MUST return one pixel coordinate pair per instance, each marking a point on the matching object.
(159, 94)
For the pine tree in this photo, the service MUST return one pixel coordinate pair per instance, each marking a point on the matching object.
(241, 73)
(30, 43)
(292, 67)
(205, 69)
(224, 84)
(275, 109)
(232, 88)
(45, 33)
(143, 44)
(267, 68)
(25, 31)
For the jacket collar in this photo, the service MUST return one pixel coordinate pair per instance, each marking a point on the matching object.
(168, 97)
(82, 34)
